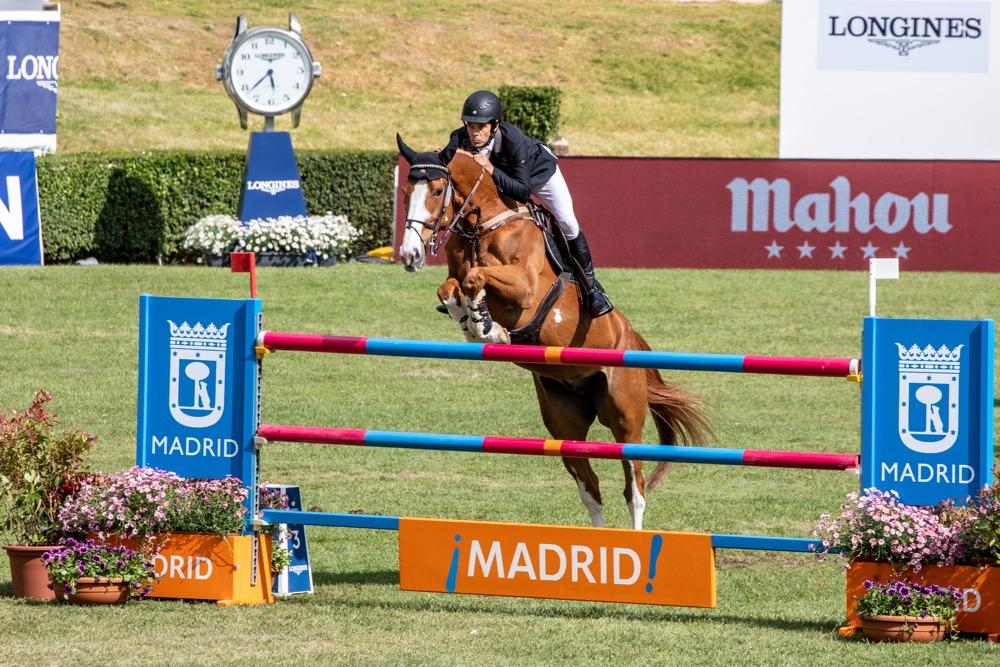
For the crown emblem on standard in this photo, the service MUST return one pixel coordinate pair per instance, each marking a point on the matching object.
(943, 355)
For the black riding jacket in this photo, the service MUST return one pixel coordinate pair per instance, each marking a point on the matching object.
(519, 162)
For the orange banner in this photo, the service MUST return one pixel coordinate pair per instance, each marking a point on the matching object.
(602, 565)
(195, 566)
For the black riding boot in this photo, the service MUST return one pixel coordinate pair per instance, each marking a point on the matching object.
(596, 296)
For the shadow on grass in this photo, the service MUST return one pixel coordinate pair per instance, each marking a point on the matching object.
(468, 604)
(368, 577)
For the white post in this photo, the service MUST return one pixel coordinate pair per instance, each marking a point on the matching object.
(885, 269)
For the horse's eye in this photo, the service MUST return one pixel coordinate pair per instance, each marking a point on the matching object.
(439, 192)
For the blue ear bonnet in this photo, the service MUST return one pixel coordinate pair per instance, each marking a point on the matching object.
(428, 167)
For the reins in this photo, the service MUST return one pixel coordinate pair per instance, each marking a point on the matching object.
(473, 235)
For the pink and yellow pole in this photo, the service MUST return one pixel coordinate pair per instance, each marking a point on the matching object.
(576, 356)
(546, 447)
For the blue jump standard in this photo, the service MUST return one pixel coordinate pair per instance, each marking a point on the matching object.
(379, 522)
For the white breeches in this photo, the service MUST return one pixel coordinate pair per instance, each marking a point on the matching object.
(555, 195)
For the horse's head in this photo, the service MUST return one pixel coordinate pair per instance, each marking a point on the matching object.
(427, 198)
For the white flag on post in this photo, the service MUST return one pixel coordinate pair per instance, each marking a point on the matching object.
(880, 269)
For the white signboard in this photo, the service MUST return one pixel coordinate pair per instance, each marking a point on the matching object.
(890, 79)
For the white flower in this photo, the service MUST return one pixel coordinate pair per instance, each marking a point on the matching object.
(324, 235)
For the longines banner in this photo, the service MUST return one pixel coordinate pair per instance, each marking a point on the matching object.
(889, 79)
(29, 85)
(783, 214)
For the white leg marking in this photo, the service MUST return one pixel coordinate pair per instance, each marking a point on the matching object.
(637, 506)
(460, 314)
(594, 507)
(482, 327)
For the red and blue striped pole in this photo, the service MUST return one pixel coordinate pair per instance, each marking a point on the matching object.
(577, 356)
(542, 447)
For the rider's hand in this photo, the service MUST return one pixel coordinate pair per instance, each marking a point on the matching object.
(485, 162)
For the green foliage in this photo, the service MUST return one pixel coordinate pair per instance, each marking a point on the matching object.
(137, 208)
(533, 109)
(280, 557)
(37, 471)
(980, 525)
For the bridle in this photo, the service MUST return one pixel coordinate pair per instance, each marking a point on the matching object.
(471, 235)
(434, 243)
(439, 236)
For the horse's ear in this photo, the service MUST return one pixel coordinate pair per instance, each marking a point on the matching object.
(404, 150)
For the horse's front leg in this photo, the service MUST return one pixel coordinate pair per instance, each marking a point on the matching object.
(450, 294)
(481, 323)
(509, 282)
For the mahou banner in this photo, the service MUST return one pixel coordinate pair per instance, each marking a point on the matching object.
(783, 214)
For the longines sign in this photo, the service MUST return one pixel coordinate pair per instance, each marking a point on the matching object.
(904, 36)
(889, 80)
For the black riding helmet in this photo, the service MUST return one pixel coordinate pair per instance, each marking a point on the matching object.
(481, 106)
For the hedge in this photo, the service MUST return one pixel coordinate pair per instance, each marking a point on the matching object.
(533, 109)
(136, 208)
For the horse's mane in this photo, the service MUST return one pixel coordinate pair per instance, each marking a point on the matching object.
(463, 156)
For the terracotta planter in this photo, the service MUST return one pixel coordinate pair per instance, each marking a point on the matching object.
(92, 590)
(902, 628)
(27, 573)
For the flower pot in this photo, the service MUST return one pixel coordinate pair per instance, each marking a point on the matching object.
(902, 628)
(94, 590)
(28, 575)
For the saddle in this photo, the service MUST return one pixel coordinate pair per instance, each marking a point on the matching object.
(561, 260)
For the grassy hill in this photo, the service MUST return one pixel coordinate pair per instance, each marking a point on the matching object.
(638, 77)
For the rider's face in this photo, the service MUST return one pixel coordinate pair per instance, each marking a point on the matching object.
(479, 133)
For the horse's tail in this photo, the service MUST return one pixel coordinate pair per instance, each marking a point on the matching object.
(679, 415)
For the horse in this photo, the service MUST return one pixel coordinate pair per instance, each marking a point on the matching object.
(500, 281)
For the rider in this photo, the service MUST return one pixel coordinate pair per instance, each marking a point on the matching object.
(522, 166)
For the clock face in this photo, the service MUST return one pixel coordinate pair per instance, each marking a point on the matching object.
(270, 72)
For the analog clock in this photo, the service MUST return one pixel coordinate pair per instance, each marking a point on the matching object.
(268, 71)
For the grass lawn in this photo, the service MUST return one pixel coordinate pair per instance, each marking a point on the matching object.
(638, 78)
(72, 330)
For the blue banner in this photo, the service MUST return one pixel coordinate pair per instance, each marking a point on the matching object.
(197, 404)
(927, 410)
(29, 85)
(20, 224)
(271, 185)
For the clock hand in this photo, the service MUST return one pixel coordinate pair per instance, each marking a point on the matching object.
(270, 73)
(261, 79)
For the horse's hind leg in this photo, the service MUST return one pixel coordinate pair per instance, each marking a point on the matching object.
(621, 406)
(568, 417)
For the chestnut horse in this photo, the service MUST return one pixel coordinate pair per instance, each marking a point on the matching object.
(498, 275)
